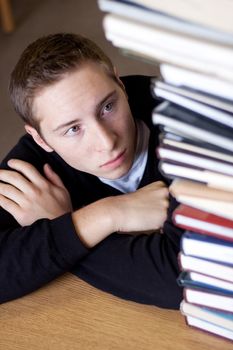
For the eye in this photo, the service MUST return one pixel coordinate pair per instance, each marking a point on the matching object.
(74, 130)
(108, 107)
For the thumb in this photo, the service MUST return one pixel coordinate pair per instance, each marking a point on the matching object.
(52, 176)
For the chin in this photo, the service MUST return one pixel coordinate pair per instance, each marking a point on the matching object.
(119, 173)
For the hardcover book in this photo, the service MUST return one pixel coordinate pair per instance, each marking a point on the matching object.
(168, 46)
(210, 13)
(196, 146)
(179, 76)
(200, 280)
(206, 110)
(162, 89)
(163, 20)
(207, 177)
(193, 124)
(184, 157)
(220, 318)
(213, 269)
(193, 219)
(209, 327)
(207, 247)
(213, 300)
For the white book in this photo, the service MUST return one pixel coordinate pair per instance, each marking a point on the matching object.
(213, 57)
(217, 301)
(202, 82)
(221, 271)
(203, 109)
(154, 54)
(164, 21)
(190, 159)
(196, 189)
(211, 13)
(195, 95)
(211, 249)
(216, 207)
(210, 178)
(209, 327)
(222, 319)
(192, 131)
(211, 281)
(196, 149)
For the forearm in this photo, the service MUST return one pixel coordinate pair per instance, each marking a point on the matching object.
(142, 210)
(34, 255)
(95, 222)
(141, 268)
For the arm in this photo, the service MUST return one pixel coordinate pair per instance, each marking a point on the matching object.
(141, 268)
(41, 251)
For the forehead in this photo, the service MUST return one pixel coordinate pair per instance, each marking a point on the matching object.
(79, 89)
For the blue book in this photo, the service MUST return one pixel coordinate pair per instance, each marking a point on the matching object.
(207, 247)
(202, 281)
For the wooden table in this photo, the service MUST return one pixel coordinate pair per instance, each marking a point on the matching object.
(70, 314)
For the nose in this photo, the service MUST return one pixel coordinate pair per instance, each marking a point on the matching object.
(105, 138)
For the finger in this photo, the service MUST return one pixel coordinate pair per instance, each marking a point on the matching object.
(12, 193)
(28, 170)
(9, 206)
(52, 176)
(15, 179)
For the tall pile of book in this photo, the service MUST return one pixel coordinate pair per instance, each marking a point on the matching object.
(193, 43)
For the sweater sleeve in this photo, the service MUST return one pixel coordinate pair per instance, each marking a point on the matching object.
(141, 268)
(34, 255)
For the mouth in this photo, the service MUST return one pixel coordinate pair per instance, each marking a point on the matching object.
(118, 160)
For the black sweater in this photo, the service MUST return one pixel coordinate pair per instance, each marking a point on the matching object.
(141, 268)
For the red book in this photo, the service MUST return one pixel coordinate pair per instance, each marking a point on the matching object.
(200, 221)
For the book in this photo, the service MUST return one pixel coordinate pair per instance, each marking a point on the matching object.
(199, 147)
(163, 20)
(209, 327)
(210, 178)
(192, 124)
(207, 247)
(195, 189)
(200, 280)
(193, 219)
(169, 47)
(204, 109)
(214, 300)
(213, 269)
(179, 76)
(191, 158)
(220, 208)
(160, 88)
(210, 13)
(219, 318)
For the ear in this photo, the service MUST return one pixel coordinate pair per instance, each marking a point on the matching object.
(37, 138)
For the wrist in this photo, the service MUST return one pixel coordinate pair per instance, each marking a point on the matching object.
(94, 222)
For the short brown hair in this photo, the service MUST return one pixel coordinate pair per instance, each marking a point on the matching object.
(45, 62)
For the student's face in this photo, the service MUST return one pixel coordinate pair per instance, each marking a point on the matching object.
(86, 119)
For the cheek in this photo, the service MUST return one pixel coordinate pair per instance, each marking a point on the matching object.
(75, 154)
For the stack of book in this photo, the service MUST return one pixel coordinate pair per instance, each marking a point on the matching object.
(193, 43)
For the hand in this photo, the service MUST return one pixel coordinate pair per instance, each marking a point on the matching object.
(143, 210)
(29, 196)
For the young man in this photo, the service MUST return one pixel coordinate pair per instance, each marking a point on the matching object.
(75, 190)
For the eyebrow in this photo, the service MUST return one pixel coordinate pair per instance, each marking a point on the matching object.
(97, 109)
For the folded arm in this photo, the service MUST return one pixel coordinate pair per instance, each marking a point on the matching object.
(32, 255)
